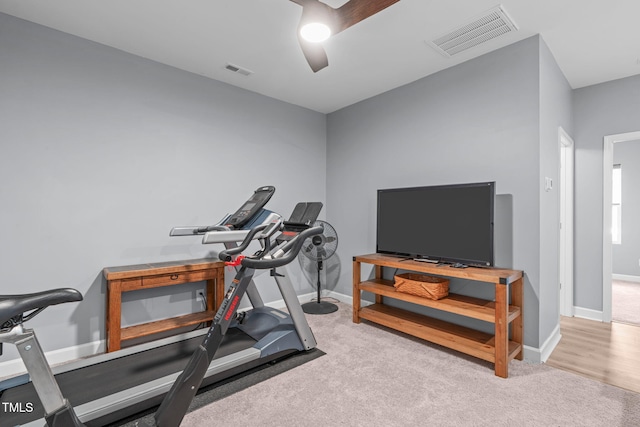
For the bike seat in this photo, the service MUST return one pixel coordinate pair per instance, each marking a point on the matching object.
(16, 305)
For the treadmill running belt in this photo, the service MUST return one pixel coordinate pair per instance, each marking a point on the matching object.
(95, 381)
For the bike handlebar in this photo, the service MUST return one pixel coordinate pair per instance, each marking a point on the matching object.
(292, 248)
(226, 254)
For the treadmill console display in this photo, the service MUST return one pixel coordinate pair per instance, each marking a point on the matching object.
(260, 198)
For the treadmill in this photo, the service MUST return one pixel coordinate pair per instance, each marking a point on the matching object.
(232, 229)
(107, 388)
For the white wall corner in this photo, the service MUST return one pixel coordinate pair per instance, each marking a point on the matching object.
(550, 344)
(531, 354)
(540, 355)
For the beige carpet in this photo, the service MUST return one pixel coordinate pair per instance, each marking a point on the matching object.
(372, 376)
(625, 298)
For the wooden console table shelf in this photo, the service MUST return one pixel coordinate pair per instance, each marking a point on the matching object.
(147, 276)
(496, 348)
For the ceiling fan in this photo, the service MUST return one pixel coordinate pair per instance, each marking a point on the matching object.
(319, 21)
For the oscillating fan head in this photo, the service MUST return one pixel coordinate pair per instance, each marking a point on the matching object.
(321, 246)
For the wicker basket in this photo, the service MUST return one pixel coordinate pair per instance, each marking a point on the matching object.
(422, 285)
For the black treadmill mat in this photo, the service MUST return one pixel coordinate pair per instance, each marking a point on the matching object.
(225, 388)
(95, 381)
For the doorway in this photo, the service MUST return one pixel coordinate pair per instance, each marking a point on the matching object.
(607, 199)
(566, 222)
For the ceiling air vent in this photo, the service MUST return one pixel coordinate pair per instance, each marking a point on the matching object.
(239, 70)
(492, 24)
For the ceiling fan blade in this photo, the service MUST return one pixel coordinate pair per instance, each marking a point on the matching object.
(338, 20)
(355, 11)
(314, 54)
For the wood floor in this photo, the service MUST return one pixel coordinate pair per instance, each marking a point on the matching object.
(607, 352)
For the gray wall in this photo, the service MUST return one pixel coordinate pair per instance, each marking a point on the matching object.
(102, 152)
(555, 112)
(626, 255)
(600, 110)
(478, 121)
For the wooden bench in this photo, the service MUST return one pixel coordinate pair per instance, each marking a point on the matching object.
(146, 276)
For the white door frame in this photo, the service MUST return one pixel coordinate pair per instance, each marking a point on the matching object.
(607, 198)
(567, 150)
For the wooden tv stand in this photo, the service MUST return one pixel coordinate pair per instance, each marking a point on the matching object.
(497, 348)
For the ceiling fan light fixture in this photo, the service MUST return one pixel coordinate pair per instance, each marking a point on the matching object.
(327, 21)
(315, 32)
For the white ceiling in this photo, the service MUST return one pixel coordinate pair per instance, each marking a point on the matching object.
(593, 41)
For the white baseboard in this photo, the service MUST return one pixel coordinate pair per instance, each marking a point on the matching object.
(587, 313)
(55, 357)
(550, 344)
(312, 297)
(626, 278)
(531, 354)
(347, 299)
(279, 304)
(540, 355)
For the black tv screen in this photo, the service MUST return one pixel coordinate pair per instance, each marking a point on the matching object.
(446, 223)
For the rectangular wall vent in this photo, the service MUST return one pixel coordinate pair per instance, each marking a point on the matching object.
(492, 24)
(239, 70)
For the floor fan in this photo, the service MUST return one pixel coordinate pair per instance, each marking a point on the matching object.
(318, 249)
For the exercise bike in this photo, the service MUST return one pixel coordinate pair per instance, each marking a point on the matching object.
(292, 335)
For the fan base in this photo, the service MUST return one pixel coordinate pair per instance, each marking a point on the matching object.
(319, 307)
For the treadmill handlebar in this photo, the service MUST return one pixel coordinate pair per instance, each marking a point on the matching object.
(226, 254)
(202, 230)
(291, 249)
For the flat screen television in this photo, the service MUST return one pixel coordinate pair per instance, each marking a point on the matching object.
(445, 223)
